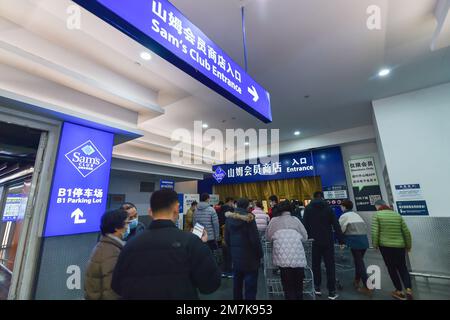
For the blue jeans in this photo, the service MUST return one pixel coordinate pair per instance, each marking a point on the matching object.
(247, 280)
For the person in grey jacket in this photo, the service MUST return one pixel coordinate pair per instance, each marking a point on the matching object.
(287, 233)
(207, 217)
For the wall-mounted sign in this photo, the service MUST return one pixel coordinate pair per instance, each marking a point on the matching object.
(334, 195)
(79, 191)
(162, 28)
(166, 184)
(15, 206)
(412, 208)
(410, 201)
(366, 187)
(408, 192)
(324, 163)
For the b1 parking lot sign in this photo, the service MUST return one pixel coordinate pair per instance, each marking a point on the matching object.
(80, 181)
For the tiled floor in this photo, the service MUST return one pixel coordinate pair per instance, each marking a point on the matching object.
(431, 289)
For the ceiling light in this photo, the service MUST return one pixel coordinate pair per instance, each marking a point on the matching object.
(205, 125)
(384, 72)
(146, 56)
(297, 133)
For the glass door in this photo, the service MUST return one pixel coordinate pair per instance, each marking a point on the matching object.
(13, 207)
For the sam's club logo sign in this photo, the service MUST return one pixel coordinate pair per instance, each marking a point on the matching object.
(86, 158)
(219, 174)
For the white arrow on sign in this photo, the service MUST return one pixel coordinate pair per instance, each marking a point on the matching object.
(77, 214)
(254, 93)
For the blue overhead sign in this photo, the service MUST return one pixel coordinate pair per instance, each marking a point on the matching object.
(167, 184)
(80, 181)
(159, 26)
(326, 163)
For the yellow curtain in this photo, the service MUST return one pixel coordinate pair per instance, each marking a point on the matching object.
(292, 189)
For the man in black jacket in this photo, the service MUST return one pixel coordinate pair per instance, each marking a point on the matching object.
(320, 220)
(226, 267)
(165, 262)
(242, 237)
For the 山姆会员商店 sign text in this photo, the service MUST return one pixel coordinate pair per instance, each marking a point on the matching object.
(162, 28)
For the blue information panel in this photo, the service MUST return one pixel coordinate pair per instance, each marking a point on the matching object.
(167, 184)
(15, 206)
(158, 25)
(80, 181)
(413, 208)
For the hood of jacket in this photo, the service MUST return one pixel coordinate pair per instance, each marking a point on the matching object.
(203, 205)
(240, 216)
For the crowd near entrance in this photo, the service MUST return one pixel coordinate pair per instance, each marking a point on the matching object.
(300, 189)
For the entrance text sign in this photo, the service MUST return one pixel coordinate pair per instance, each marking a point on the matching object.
(80, 182)
(159, 26)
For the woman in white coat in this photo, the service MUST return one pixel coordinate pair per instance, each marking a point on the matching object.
(287, 233)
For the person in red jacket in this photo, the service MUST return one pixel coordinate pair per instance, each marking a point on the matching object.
(273, 201)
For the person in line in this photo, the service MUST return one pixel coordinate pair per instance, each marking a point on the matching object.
(188, 226)
(391, 235)
(262, 219)
(355, 233)
(273, 201)
(114, 228)
(228, 206)
(320, 221)
(287, 233)
(242, 237)
(298, 210)
(165, 262)
(251, 206)
(136, 227)
(207, 217)
(218, 207)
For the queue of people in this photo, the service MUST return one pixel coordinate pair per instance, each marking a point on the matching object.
(131, 261)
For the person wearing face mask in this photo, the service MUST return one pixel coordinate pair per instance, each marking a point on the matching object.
(114, 228)
(136, 227)
(164, 262)
(207, 217)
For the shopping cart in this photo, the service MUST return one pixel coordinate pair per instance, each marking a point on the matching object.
(344, 264)
(274, 287)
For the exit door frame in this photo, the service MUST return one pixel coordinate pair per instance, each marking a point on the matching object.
(28, 250)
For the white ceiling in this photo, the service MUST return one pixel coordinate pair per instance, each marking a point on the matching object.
(323, 49)
(319, 48)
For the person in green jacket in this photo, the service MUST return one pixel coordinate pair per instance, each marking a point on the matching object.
(391, 235)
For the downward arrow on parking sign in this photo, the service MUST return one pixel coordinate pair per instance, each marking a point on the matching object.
(254, 93)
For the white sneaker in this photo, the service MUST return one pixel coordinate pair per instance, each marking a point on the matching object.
(318, 292)
(333, 296)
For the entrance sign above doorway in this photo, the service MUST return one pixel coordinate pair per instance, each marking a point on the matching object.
(78, 196)
(327, 164)
(162, 28)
